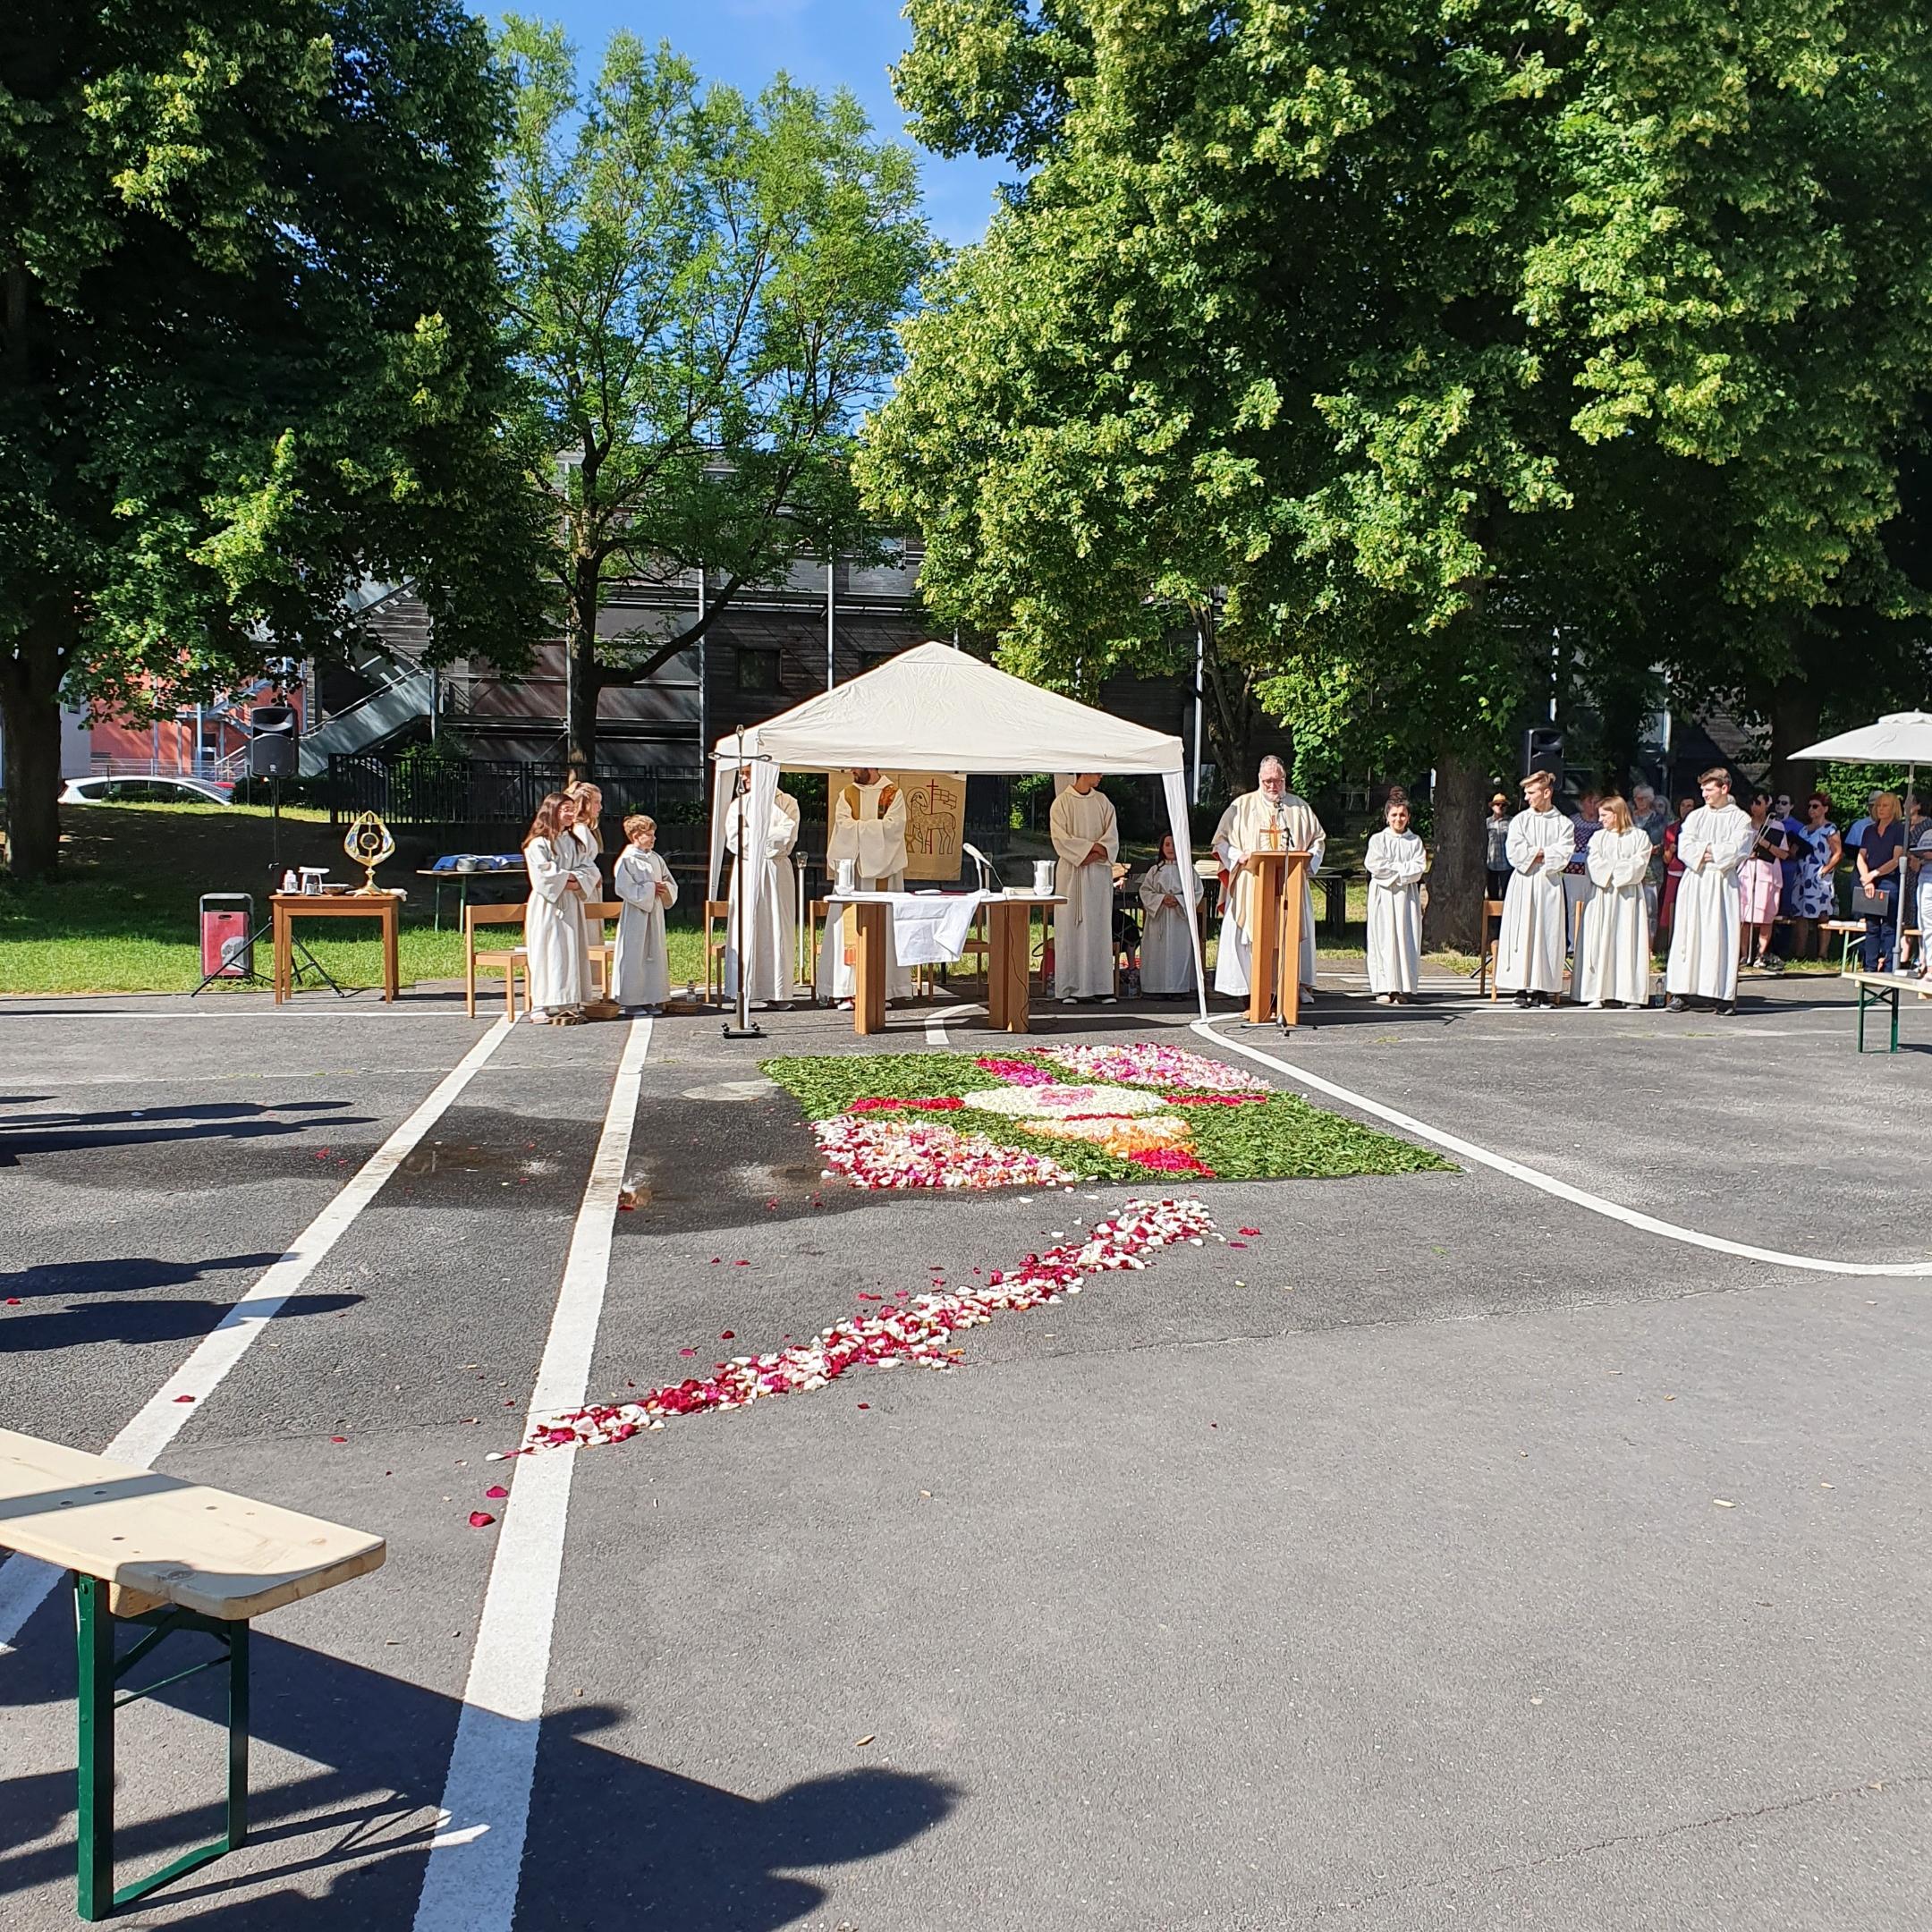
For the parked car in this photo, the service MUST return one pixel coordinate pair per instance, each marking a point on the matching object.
(146, 792)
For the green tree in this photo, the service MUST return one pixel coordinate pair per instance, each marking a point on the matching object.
(249, 317)
(1436, 338)
(704, 288)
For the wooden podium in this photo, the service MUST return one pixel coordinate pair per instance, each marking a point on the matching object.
(1275, 962)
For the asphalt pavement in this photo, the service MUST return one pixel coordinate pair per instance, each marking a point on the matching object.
(1454, 1553)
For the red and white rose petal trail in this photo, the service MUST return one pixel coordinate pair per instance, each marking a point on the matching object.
(917, 1331)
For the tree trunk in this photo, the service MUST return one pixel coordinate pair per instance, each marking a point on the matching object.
(580, 723)
(1458, 880)
(30, 717)
(1795, 706)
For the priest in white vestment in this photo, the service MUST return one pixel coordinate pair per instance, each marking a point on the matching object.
(1086, 839)
(869, 825)
(1270, 818)
(1712, 844)
(1529, 951)
(1168, 898)
(1395, 863)
(765, 930)
(1613, 964)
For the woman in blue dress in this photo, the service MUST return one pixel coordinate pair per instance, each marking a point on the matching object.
(1815, 897)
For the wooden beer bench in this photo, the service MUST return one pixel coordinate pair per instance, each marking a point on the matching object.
(172, 1556)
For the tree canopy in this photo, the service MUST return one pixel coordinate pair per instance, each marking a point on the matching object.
(249, 327)
(703, 289)
(1412, 341)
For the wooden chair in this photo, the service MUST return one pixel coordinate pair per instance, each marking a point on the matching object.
(717, 913)
(173, 1557)
(1492, 908)
(505, 959)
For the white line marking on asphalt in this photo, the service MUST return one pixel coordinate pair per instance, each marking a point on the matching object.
(23, 1584)
(469, 1884)
(1562, 1189)
(936, 1026)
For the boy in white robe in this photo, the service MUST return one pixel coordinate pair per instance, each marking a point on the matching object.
(1167, 948)
(768, 925)
(554, 937)
(1713, 843)
(1086, 839)
(1395, 862)
(641, 968)
(1529, 950)
(868, 825)
(1614, 966)
(1253, 824)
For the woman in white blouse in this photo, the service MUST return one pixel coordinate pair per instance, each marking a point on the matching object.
(1616, 945)
(1395, 863)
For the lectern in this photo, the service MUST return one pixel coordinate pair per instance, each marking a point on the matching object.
(1274, 939)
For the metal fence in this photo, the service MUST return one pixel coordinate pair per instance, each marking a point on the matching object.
(454, 792)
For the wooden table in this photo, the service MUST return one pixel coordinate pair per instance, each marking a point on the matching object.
(289, 907)
(1275, 946)
(1009, 957)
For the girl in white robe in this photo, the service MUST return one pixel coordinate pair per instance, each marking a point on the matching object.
(641, 968)
(553, 933)
(1395, 863)
(1616, 970)
(1167, 950)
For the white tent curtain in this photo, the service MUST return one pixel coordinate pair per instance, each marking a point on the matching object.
(935, 708)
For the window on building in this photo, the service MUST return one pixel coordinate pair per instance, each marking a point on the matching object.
(758, 672)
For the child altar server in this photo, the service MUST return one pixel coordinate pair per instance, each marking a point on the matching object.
(1395, 862)
(552, 922)
(1166, 951)
(641, 970)
(1530, 949)
(1616, 967)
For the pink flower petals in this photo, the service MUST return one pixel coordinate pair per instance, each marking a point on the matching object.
(1142, 1063)
(480, 1519)
(891, 1152)
(1247, 1231)
(496, 1492)
(184, 1398)
(1016, 1072)
(919, 1331)
(1169, 1160)
(884, 1103)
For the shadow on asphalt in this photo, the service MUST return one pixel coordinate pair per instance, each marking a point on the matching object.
(135, 1322)
(611, 1841)
(42, 1134)
(124, 1276)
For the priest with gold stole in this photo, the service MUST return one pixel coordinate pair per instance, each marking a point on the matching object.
(869, 825)
(1270, 818)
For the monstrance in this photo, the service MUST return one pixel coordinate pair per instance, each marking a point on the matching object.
(368, 843)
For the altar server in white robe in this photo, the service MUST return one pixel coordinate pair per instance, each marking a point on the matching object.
(1086, 839)
(640, 967)
(1615, 968)
(767, 927)
(1245, 828)
(1395, 862)
(868, 825)
(1529, 950)
(554, 935)
(1712, 843)
(1168, 898)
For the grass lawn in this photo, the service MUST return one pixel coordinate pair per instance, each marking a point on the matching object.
(122, 917)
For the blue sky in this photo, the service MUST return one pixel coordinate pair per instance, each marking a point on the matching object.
(821, 43)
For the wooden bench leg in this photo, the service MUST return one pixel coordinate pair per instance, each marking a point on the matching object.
(99, 1671)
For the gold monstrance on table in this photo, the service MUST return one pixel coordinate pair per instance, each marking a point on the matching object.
(369, 842)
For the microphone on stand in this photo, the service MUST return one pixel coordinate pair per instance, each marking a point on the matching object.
(980, 858)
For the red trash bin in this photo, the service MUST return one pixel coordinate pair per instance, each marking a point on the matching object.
(227, 918)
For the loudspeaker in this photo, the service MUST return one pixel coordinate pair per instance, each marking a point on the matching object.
(1542, 750)
(275, 749)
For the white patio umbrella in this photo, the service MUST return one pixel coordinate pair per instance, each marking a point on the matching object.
(1898, 738)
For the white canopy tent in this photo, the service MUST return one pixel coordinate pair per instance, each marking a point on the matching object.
(937, 708)
(1898, 738)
